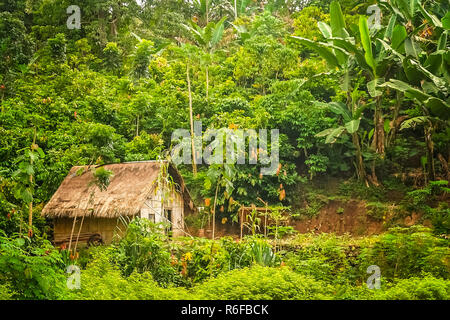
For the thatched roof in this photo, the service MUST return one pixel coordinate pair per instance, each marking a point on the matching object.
(130, 186)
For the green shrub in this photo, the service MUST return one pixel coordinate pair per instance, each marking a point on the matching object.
(376, 210)
(33, 272)
(262, 283)
(428, 288)
(5, 292)
(103, 280)
(145, 248)
(323, 257)
(407, 252)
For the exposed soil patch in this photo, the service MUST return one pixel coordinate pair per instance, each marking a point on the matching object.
(341, 217)
(337, 216)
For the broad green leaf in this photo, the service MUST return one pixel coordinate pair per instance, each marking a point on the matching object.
(405, 7)
(398, 37)
(337, 21)
(438, 107)
(346, 81)
(439, 82)
(340, 109)
(359, 110)
(411, 123)
(41, 152)
(446, 21)
(26, 195)
(387, 126)
(370, 135)
(392, 8)
(434, 61)
(323, 51)
(218, 32)
(332, 137)
(367, 45)
(442, 43)
(410, 48)
(325, 29)
(372, 88)
(390, 49)
(352, 49)
(390, 27)
(404, 87)
(431, 18)
(352, 126)
(324, 133)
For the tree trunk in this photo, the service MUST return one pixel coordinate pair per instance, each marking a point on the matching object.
(393, 132)
(360, 170)
(378, 141)
(444, 164)
(378, 134)
(191, 116)
(30, 207)
(207, 83)
(428, 130)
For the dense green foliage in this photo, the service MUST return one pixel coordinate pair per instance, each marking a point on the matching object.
(365, 104)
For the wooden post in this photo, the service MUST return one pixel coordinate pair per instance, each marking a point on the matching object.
(71, 233)
(241, 219)
(78, 235)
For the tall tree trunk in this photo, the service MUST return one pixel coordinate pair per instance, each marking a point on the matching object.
(191, 117)
(444, 164)
(137, 125)
(30, 207)
(360, 170)
(207, 82)
(378, 138)
(235, 10)
(428, 131)
(393, 132)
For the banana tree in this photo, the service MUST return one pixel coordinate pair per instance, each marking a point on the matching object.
(222, 176)
(203, 7)
(207, 38)
(240, 7)
(351, 120)
(424, 76)
(342, 52)
(188, 53)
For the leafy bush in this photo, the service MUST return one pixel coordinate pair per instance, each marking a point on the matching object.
(5, 292)
(33, 272)
(143, 248)
(322, 257)
(103, 280)
(427, 288)
(406, 252)
(262, 283)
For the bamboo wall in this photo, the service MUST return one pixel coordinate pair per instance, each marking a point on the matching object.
(104, 226)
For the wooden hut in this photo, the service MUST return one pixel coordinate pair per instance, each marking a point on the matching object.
(80, 209)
